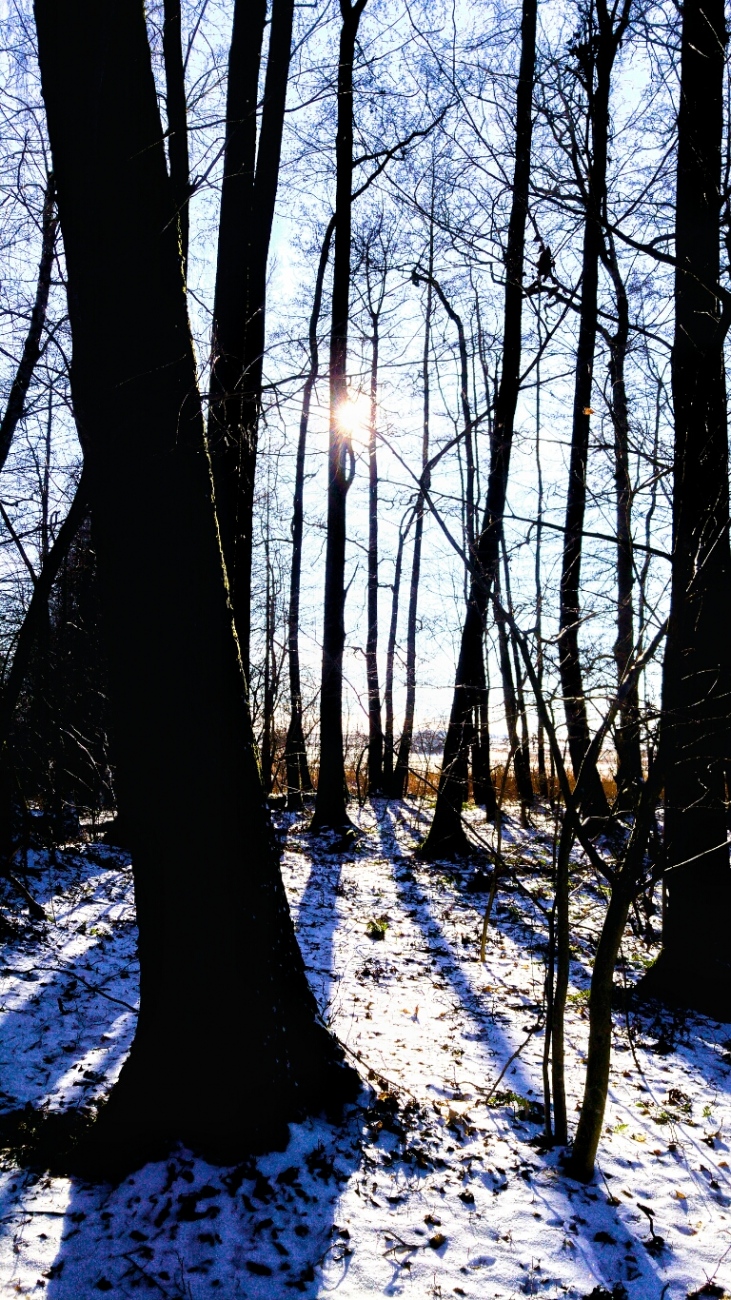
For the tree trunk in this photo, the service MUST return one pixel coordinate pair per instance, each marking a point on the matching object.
(270, 667)
(694, 965)
(228, 1044)
(330, 801)
(522, 777)
(541, 733)
(401, 775)
(483, 787)
(389, 783)
(32, 346)
(298, 772)
(177, 115)
(594, 56)
(563, 970)
(248, 194)
(629, 758)
(375, 730)
(521, 760)
(624, 890)
(446, 833)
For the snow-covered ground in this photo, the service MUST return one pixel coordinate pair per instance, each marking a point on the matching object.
(430, 1187)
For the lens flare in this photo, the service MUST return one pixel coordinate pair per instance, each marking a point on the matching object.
(354, 417)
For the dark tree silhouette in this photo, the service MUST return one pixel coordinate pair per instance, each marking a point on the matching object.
(228, 1044)
(330, 801)
(248, 194)
(694, 965)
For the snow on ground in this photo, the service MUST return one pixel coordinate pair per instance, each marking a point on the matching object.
(430, 1187)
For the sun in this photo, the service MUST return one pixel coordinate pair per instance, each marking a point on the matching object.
(354, 417)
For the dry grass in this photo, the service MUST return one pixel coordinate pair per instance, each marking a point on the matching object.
(423, 783)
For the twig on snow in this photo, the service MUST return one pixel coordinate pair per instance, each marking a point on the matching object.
(510, 1060)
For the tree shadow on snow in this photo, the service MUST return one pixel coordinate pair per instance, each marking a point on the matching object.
(187, 1229)
(613, 1253)
(180, 1227)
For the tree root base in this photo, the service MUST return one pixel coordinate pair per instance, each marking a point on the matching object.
(133, 1128)
(702, 984)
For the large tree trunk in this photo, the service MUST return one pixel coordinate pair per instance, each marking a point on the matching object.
(446, 834)
(228, 1044)
(595, 53)
(248, 194)
(694, 966)
(330, 802)
(295, 754)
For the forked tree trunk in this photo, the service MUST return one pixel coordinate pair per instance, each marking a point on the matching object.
(330, 801)
(228, 1044)
(694, 966)
(298, 772)
(446, 834)
(248, 194)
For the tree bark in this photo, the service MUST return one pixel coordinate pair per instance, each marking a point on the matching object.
(298, 772)
(330, 801)
(228, 1045)
(248, 194)
(446, 834)
(694, 966)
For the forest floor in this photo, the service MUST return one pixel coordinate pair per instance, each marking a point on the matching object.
(434, 1185)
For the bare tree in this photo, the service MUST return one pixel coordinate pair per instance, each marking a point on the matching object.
(330, 801)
